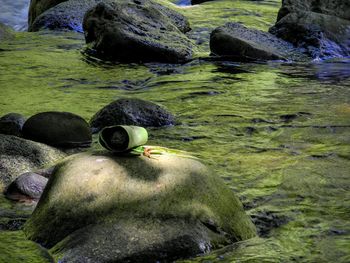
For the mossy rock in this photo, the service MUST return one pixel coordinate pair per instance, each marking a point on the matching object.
(101, 207)
(18, 156)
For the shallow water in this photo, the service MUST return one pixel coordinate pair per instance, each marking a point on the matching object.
(277, 133)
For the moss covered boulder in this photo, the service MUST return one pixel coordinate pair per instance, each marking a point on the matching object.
(131, 112)
(98, 207)
(18, 156)
(136, 31)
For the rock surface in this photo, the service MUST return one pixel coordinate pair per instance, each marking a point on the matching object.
(26, 186)
(321, 28)
(98, 207)
(137, 31)
(5, 32)
(68, 15)
(37, 7)
(11, 124)
(18, 156)
(238, 42)
(131, 112)
(63, 129)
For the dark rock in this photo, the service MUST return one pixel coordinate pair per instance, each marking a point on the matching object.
(68, 15)
(18, 156)
(197, 2)
(99, 207)
(266, 221)
(137, 31)
(321, 28)
(338, 8)
(5, 32)
(11, 124)
(131, 112)
(238, 42)
(26, 186)
(37, 7)
(61, 129)
(320, 35)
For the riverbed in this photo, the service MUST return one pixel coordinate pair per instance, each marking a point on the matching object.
(277, 133)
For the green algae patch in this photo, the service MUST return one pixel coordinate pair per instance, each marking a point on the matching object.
(15, 247)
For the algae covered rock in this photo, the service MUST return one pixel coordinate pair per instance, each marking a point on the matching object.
(11, 124)
(63, 129)
(238, 42)
(18, 156)
(136, 31)
(131, 112)
(98, 207)
(67, 15)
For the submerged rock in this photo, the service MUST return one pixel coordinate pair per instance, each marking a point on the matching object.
(137, 31)
(5, 32)
(321, 28)
(238, 42)
(26, 186)
(68, 15)
(18, 156)
(131, 112)
(11, 124)
(63, 129)
(103, 208)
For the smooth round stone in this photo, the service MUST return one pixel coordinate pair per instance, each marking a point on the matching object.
(62, 129)
(26, 186)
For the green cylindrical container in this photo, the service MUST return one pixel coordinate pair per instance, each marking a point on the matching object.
(121, 138)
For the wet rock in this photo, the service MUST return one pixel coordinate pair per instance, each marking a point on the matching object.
(131, 112)
(238, 42)
(26, 186)
(37, 7)
(18, 156)
(61, 129)
(197, 2)
(321, 28)
(136, 31)
(97, 204)
(5, 32)
(68, 15)
(11, 124)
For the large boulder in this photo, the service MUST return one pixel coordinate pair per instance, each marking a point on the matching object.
(67, 15)
(62, 129)
(131, 112)
(98, 207)
(18, 156)
(237, 42)
(321, 28)
(137, 31)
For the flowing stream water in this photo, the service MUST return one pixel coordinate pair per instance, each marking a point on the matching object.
(277, 133)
